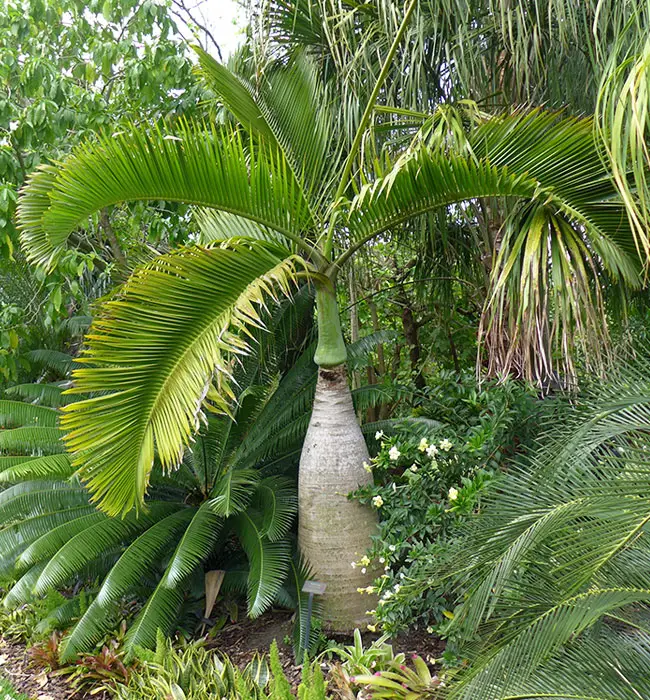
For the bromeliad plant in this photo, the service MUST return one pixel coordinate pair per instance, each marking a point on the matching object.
(287, 201)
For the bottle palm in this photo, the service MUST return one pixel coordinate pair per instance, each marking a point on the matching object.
(278, 193)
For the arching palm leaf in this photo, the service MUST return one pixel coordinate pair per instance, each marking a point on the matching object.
(194, 164)
(204, 298)
(136, 560)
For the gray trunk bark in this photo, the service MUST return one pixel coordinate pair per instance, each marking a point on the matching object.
(332, 531)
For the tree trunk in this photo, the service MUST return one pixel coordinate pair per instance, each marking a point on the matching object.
(332, 531)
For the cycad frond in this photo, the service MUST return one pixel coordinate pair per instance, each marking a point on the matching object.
(41, 394)
(195, 164)
(136, 561)
(32, 498)
(92, 542)
(559, 559)
(276, 500)
(46, 546)
(29, 439)
(27, 530)
(14, 414)
(162, 607)
(195, 545)
(268, 563)
(232, 492)
(22, 590)
(186, 312)
(56, 466)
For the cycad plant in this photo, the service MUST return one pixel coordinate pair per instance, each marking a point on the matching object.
(555, 571)
(231, 483)
(288, 202)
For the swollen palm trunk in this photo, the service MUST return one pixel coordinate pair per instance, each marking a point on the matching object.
(334, 532)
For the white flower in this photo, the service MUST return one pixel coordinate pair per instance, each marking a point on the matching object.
(392, 547)
(363, 571)
(354, 564)
(367, 467)
(378, 501)
(445, 445)
(387, 595)
(432, 451)
(386, 568)
(397, 587)
(452, 494)
(423, 445)
(394, 453)
(379, 435)
(382, 560)
(430, 630)
(413, 467)
(13, 126)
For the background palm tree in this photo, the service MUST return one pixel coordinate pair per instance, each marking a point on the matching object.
(584, 58)
(292, 202)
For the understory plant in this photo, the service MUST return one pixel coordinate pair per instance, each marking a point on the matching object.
(231, 484)
(222, 522)
(554, 573)
(192, 672)
(426, 483)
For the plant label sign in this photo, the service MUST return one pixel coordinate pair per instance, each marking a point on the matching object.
(314, 587)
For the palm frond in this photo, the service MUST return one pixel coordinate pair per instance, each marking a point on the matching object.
(187, 312)
(289, 110)
(195, 164)
(525, 155)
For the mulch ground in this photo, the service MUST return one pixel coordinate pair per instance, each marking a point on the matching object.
(16, 666)
(240, 641)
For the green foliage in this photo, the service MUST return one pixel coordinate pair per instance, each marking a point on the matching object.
(63, 78)
(9, 692)
(192, 672)
(425, 487)
(553, 572)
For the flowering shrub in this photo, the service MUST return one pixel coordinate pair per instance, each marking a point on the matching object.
(423, 487)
